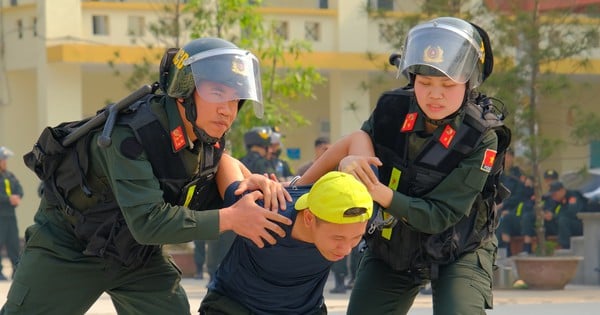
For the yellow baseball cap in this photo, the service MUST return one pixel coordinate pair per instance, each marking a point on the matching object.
(338, 198)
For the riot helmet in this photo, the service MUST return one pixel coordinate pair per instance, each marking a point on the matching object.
(258, 136)
(448, 46)
(216, 60)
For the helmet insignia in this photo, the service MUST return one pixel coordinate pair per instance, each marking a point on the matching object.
(179, 58)
(482, 51)
(263, 134)
(237, 66)
(433, 54)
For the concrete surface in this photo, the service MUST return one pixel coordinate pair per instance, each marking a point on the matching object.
(574, 299)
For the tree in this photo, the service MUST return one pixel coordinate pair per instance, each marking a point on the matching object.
(238, 21)
(167, 31)
(530, 43)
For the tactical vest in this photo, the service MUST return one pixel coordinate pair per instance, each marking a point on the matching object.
(404, 248)
(102, 226)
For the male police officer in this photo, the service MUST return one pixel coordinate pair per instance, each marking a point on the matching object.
(257, 141)
(11, 193)
(103, 235)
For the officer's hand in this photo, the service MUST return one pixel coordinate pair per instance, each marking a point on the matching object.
(360, 167)
(275, 195)
(249, 220)
(548, 215)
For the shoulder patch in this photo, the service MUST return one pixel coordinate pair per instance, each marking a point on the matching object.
(488, 160)
(131, 148)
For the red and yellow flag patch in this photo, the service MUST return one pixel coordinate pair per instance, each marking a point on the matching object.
(488, 160)
(409, 122)
(178, 138)
(447, 136)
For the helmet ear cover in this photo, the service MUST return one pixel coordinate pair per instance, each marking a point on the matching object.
(488, 62)
(165, 66)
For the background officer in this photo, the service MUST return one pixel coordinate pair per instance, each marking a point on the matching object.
(281, 167)
(257, 141)
(568, 204)
(11, 193)
(103, 235)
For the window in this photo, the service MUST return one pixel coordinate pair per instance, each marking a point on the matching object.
(100, 24)
(282, 29)
(323, 4)
(595, 154)
(34, 26)
(20, 28)
(312, 31)
(387, 5)
(136, 26)
(13, 2)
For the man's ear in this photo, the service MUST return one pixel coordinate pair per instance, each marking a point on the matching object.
(308, 218)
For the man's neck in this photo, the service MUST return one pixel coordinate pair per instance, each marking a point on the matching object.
(300, 231)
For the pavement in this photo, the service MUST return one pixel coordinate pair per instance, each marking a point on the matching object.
(574, 299)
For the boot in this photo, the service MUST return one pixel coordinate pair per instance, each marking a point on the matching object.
(340, 287)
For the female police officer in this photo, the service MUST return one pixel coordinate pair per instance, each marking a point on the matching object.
(435, 143)
(103, 234)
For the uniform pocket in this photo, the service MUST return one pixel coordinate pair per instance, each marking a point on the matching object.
(483, 280)
(17, 293)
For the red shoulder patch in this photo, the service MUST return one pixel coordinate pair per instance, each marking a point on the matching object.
(488, 160)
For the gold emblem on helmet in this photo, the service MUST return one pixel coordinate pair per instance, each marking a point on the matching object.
(263, 134)
(482, 50)
(433, 54)
(238, 66)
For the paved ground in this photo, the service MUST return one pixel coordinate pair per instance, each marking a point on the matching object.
(574, 299)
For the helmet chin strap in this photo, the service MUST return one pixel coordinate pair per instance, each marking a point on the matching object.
(191, 115)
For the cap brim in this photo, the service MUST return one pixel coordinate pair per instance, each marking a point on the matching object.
(302, 202)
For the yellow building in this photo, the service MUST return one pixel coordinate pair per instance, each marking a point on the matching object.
(54, 58)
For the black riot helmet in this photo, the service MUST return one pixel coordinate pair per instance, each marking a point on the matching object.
(448, 46)
(258, 136)
(210, 59)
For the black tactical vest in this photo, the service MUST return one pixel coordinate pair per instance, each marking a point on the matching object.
(405, 248)
(102, 227)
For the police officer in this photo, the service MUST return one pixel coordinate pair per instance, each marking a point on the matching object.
(104, 235)
(439, 148)
(513, 208)
(568, 204)
(257, 141)
(281, 167)
(11, 193)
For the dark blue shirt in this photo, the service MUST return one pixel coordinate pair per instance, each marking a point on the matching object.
(286, 278)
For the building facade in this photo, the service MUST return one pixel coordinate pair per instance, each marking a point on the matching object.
(54, 57)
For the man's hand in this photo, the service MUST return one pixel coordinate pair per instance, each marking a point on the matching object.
(275, 195)
(15, 200)
(249, 220)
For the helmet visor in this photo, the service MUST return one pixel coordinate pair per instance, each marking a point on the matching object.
(234, 68)
(443, 50)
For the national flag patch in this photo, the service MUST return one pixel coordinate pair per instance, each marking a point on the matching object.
(409, 122)
(178, 138)
(488, 160)
(447, 136)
